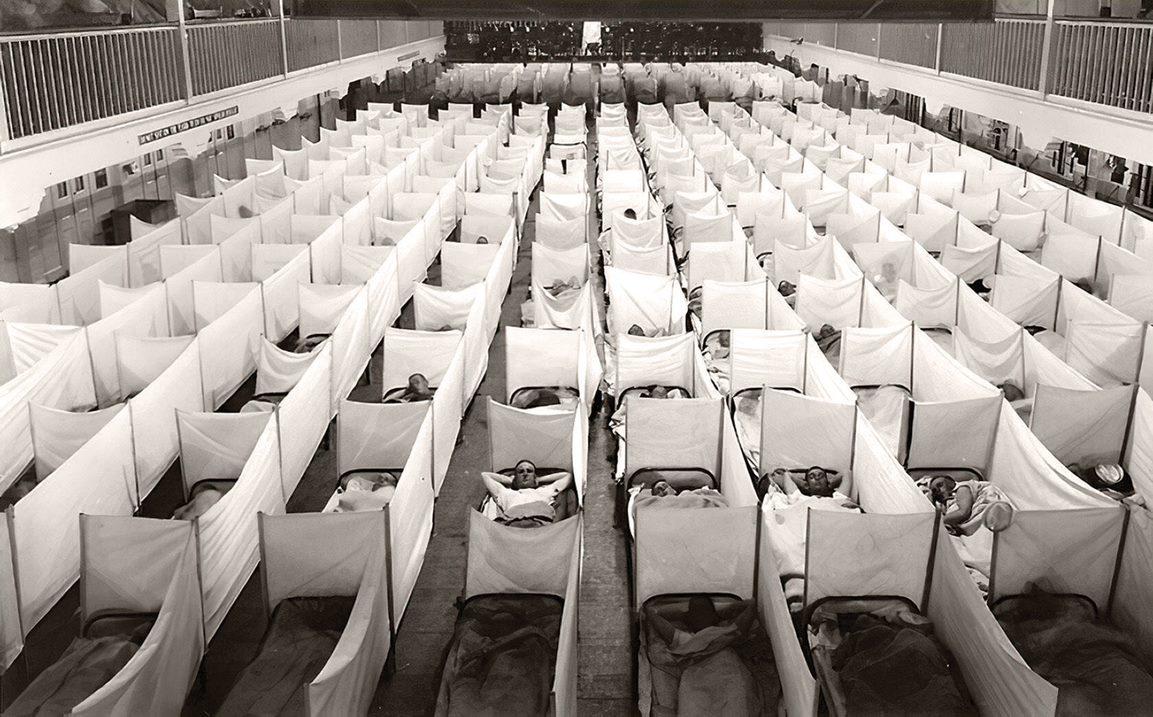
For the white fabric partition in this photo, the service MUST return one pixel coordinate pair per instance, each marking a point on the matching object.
(655, 303)
(57, 435)
(406, 352)
(511, 560)
(227, 532)
(696, 551)
(950, 434)
(156, 441)
(463, 265)
(140, 361)
(798, 431)
(98, 479)
(877, 356)
(145, 317)
(837, 302)
(182, 267)
(436, 308)
(62, 379)
(78, 292)
(228, 348)
(1082, 426)
(677, 433)
(665, 361)
(1067, 551)
(216, 446)
(858, 555)
(11, 633)
(303, 416)
(546, 439)
(146, 565)
(351, 347)
(281, 295)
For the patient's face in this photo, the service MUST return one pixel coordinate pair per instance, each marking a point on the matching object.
(941, 488)
(630, 214)
(417, 382)
(818, 481)
(659, 392)
(662, 488)
(524, 475)
(482, 240)
(636, 330)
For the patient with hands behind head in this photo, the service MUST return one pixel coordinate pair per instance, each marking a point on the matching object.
(417, 389)
(816, 482)
(524, 499)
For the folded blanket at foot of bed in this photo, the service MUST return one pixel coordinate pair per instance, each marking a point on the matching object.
(300, 638)
(1096, 668)
(85, 667)
(502, 656)
(887, 668)
(716, 671)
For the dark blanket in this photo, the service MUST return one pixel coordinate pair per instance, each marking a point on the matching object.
(1097, 669)
(86, 666)
(301, 637)
(888, 669)
(502, 657)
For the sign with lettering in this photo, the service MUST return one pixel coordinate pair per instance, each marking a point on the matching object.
(186, 125)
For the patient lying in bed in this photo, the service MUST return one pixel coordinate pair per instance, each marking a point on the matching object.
(363, 491)
(417, 389)
(556, 396)
(789, 291)
(716, 351)
(705, 660)
(524, 499)
(1016, 398)
(816, 488)
(973, 509)
(1109, 478)
(1097, 668)
(86, 666)
(829, 342)
(880, 657)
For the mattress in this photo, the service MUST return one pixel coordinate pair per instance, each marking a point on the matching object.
(300, 638)
(502, 656)
(887, 409)
(727, 669)
(1097, 668)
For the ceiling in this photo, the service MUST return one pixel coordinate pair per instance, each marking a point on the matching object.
(682, 10)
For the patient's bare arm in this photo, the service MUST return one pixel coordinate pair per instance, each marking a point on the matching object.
(562, 480)
(494, 481)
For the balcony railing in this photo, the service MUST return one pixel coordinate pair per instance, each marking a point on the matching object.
(62, 80)
(55, 81)
(1106, 63)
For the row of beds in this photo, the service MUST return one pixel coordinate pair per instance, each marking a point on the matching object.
(859, 646)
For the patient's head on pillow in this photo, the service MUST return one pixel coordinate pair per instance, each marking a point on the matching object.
(630, 213)
(825, 331)
(941, 488)
(524, 475)
(636, 330)
(816, 481)
(418, 383)
(482, 239)
(786, 288)
(662, 488)
(1012, 393)
(659, 392)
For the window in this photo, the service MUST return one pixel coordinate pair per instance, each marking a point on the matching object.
(231, 132)
(62, 190)
(79, 184)
(159, 154)
(101, 178)
(148, 160)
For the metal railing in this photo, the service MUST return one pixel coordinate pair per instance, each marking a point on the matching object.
(60, 80)
(1105, 63)
(1007, 52)
(230, 54)
(913, 43)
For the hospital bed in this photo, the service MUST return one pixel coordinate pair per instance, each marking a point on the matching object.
(876, 655)
(567, 503)
(301, 635)
(700, 677)
(687, 484)
(1097, 667)
(514, 638)
(538, 396)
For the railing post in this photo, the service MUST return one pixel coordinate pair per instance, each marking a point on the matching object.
(339, 43)
(940, 39)
(1046, 49)
(3, 116)
(278, 9)
(878, 58)
(378, 38)
(185, 56)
